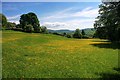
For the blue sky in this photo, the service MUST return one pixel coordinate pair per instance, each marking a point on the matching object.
(55, 15)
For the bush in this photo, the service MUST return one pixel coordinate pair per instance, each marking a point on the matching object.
(10, 25)
(29, 28)
(77, 34)
(44, 29)
(64, 34)
(85, 37)
(37, 29)
(18, 26)
(56, 33)
(68, 35)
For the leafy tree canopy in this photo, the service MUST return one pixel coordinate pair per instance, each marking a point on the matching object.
(30, 19)
(77, 34)
(3, 20)
(83, 32)
(108, 21)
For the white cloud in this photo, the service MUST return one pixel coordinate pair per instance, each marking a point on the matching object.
(87, 12)
(55, 25)
(14, 21)
(71, 24)
(14, 17)
(74, 19)
(61, 14)
(79, 19)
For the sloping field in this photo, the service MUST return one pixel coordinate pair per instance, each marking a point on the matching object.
(32, 55)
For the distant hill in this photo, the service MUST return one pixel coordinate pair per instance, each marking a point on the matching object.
(61, 31)
(89, 31)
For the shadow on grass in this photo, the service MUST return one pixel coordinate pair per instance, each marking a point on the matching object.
(106, 44)
(100, 41)
(110, 76)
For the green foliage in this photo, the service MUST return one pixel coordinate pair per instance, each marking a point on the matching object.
(0, 21)
(30, 18)
(68, 35)
(109, 19)
(10, 25)
(99, 33)
(44, 29)
(37, 29)
(29, 28)
(83, 32)
(77, 34)
(56, 33)
(18, 26)
(3, 20)
(89, 32)
(64, 34)
(86, 37)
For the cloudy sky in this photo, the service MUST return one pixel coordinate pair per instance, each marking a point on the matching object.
(55, 15)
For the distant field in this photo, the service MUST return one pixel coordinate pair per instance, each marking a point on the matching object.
(30, 55)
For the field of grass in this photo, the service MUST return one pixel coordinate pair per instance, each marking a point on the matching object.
(34, 55)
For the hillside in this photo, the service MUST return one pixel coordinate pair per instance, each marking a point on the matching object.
(89, 31)
(61, 31)
(35, 55)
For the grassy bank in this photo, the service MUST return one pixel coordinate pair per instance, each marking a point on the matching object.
(30, 55)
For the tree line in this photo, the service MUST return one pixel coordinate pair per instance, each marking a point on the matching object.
(30, 23)
(77, 34)
(107, 24)
(4, 23)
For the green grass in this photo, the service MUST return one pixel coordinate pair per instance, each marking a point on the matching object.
(32, 55)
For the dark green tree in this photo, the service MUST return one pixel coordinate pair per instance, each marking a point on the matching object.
(44, 29)
(18, 26)
(29, 28)
(99, 33)
(30, 18)
(83, 32)
(37, 29)
(10, 25)
(64, 34)
(77, 34)
(3, 20)
(68, 35)
(109, 19)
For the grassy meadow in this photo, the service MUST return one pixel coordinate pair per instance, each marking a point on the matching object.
(35, 55)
